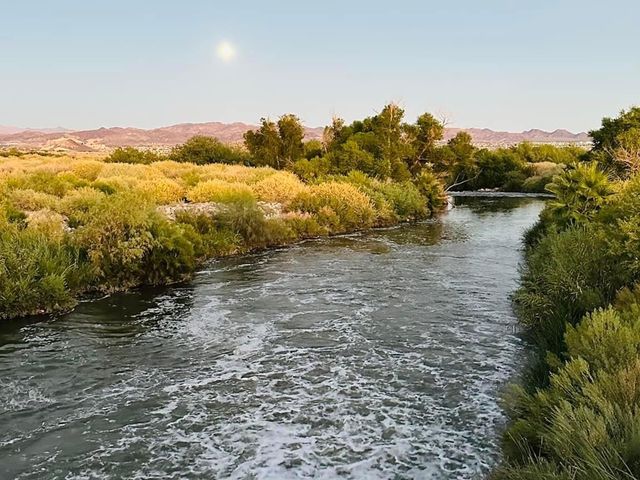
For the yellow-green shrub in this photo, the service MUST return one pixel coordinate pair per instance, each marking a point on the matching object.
(117, 238)
(172, 169)
(127, 170)
(281, 187)
(352, 207)
(234, 173)
(162, 190)
(110, 185)
(29, 199)
(431, 188)
(87, 169)
(546, 169)
(52, 224)
(41, 181)
(219, 191)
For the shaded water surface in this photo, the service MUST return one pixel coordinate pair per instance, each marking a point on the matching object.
(377, 355)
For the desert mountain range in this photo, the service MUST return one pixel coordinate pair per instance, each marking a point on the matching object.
(105, 139)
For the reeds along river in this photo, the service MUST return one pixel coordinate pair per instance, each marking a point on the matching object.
(377, 355)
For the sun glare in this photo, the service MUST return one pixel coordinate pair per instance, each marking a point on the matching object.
(225, 51)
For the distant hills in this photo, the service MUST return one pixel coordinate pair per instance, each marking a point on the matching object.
(487, 137)
(106, 139)
(6, 130)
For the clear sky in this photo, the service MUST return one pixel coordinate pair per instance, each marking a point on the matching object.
(500, 64)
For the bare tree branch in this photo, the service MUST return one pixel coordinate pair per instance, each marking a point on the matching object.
(456, 183)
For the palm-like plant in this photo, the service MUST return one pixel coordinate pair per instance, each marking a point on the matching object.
(580, 191)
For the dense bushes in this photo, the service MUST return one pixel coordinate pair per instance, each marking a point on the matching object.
(70, 226)
(339, 206)
(132, 155)
(521, 168)
(202, 150)
(577, 413)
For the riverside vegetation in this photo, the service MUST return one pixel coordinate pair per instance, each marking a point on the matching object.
(73, 226)
(577, 414)
(69, 226)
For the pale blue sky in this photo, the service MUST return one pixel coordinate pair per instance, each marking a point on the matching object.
(499, 64)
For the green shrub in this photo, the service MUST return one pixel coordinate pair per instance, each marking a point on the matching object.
(430, 187)
(207, 238)
(304, 226)
(37, 273)
(513, 181)
(586, 422)
(577, 415)
(314, 169)
(567, 275)
(11, 152)
(133, 155)
(116, 239)
(245, 218)
(536, 184)
(172, 255)
(202, 150)
(406, 200)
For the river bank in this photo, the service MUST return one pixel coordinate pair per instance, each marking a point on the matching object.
(575, 413)
(70, 227)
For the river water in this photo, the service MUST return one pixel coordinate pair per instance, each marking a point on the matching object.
(376, 355)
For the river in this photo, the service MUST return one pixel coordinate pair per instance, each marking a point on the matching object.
(373, 355)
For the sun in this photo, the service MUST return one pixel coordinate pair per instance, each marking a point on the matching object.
(226, 51)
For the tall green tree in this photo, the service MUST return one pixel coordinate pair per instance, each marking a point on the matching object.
(424, 136)
(334, 134)
(350, 156)
(616, 144)
(264, 144)
(393, 149)
(291, 133)
(464, 168)
(276, 145)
